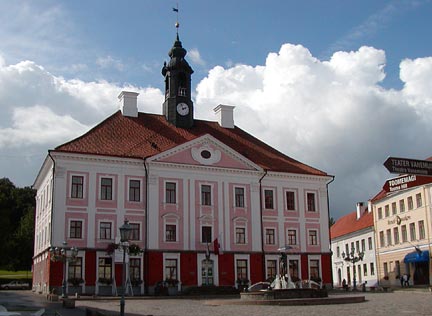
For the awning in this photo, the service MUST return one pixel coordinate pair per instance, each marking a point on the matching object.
(417, 257)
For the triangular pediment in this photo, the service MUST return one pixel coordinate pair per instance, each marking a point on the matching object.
(206, 151)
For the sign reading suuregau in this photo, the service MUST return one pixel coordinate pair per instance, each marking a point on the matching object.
(408, 166)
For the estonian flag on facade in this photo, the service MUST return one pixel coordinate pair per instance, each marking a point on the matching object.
(216, 246)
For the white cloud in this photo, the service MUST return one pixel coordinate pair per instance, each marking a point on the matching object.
(331, 114)
(110, 62)
(195, 57)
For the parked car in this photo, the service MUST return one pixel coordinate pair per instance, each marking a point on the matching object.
(15, 285)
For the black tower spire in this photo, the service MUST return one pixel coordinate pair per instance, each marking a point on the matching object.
(178, 105)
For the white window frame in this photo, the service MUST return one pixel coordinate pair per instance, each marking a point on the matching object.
(273, 196)
(82, 228)
(113, 188)
(244, 197)
(317, 236)
(140, 189)
(176, 192)
(295, 200)
(84, 176)
(99, 221)
(315, 194)
(171, 219)
(211, 194)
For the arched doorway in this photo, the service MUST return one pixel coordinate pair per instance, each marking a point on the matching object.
(339, 277)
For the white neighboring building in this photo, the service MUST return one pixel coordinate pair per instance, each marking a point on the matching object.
(355, 230)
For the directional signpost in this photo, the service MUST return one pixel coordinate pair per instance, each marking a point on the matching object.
(408, 166)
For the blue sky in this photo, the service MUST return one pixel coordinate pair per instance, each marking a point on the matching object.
(340, 85)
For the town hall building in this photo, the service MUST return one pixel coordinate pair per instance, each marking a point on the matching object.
(208, 203)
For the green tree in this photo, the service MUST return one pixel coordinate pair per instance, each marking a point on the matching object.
(17, 207)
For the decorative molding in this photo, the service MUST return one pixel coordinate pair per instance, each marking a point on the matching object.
(200, 154)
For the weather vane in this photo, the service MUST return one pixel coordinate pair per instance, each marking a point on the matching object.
(177, 24)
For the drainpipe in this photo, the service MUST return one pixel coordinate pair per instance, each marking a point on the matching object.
(146, 258)
(262, 224)
(328, 211)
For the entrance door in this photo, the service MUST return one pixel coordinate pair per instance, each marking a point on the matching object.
(421, 273)
(207, 272)
(339, 277)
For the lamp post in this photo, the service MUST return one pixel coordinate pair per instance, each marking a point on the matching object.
(125, 235)
(61, 254)
(353, 258)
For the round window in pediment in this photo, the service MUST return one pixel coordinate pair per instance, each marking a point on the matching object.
(205, 154)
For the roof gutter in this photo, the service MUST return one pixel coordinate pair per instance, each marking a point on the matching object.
(146, 245)
(328, 224)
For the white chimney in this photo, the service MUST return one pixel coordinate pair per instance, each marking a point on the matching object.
(128, 103)
(361, 207)
(225, 115)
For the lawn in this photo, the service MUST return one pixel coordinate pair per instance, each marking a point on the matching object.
(15, 275)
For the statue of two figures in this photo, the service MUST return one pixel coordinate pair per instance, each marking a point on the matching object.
(282, 282)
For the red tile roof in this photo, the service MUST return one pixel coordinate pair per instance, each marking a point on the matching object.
(349, 224)
(151, 134)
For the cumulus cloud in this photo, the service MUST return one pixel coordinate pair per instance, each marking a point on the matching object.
(40, 108)
(195, 57)
(331, 114)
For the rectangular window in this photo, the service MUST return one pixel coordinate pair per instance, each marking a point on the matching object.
(239, 197)
(389, 237)
(372, 268)
(206, 234)
(402, 206)
(270, 236)
(268, 199)
(294, 270)
(419, 200)
(385, 266)
(77, 187)
(106, 189)
(242, 269)
(363, 245)
(292, 237)
(365, 271)
(105, 230)
(240, 235)
(314, 269)
(422, 234)
(394, 210)
(404, 233)
(370, 243)
(135, 269)
(346, 248)
(313, 237)
(170, 192)
(310, 197)
(290, 200)
(75, 230)
(338, 252)
(171, 270)
(205, 194)
(387, 210)
(379, 213)
(410, 203)
(271, 269)
(75, 268)
(135, 234)
(412, 232)
(382, 242)
(358, 246)
(105, 268)
(134, 190)
(396, 235)
(170, 232)
(397, 268)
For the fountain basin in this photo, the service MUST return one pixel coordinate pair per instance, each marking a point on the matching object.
(281, 294)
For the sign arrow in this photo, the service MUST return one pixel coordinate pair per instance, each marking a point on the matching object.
(408, 166)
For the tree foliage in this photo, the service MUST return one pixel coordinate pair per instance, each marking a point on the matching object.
(17, 206)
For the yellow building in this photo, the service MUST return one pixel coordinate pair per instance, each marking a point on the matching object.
(402, 220)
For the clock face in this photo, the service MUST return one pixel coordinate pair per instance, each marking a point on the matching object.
(183, 109)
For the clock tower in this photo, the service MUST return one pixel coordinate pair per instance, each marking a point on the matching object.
(178, 105)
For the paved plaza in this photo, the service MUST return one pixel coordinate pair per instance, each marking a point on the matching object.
(396, 303)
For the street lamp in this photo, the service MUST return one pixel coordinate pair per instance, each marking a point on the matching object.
(61, 254)
(351, 257)
(125, 235)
